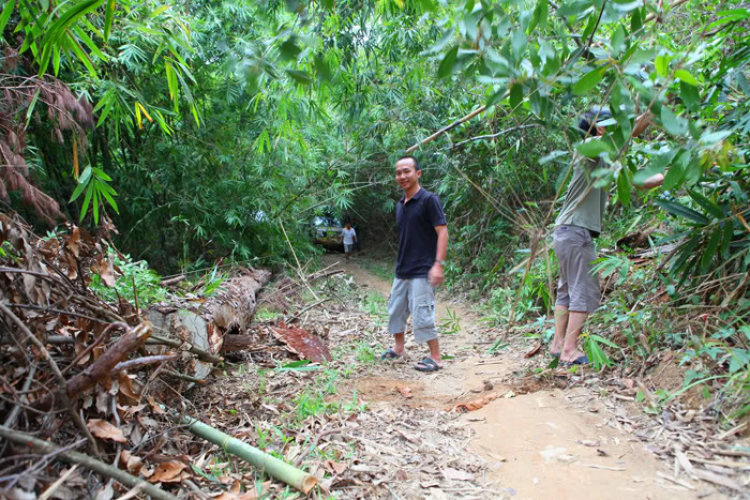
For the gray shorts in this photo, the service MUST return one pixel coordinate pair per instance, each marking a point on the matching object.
(414, 296)
(348, 248)
(578, 288)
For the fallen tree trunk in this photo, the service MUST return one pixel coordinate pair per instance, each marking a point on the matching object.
(204, 327)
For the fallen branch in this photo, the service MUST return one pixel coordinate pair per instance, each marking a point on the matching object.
(173, 281)
(279, 469)
(199, 353)
(58, 374)
(188, 378)
(102, 367)
(94, 344)
(13, 415)
(91, 463)
(307, 308)
(143, 361)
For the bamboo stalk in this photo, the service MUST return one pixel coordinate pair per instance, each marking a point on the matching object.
(279, 469)
(446, 129)
(89, 462)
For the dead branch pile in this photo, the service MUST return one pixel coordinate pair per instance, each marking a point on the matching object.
(86, 382)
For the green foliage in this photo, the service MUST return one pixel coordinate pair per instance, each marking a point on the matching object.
(135, 279)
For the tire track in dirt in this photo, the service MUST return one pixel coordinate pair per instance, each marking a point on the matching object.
(546, 443)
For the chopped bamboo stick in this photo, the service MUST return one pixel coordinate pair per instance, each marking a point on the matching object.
(279, 469)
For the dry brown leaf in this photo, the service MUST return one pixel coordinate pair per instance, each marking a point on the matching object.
(103, 429)
(155, 407)
(130, 462)
(401, 475)
(405, 391)
(75, 238)
(476, 404)
(168, 472)
(335, 467)
(103, 267)
(126, 388)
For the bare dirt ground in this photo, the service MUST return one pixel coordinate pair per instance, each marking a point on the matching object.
(528, 441)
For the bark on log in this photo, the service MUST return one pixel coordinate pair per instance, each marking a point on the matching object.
(234, 343)
(205, 326)
(102, 367)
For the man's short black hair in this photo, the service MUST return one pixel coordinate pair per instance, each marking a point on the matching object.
(410, 157)
(595, 114)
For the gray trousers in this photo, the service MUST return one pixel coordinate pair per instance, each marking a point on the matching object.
(416, 297)
(578, 287)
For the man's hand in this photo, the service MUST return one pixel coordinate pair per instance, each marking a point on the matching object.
(435, 276)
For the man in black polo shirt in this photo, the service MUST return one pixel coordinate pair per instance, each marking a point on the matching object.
(422, 247)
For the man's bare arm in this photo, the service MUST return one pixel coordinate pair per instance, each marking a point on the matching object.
(655, 180)
(442, 243)
(641, 124)
(435, 276)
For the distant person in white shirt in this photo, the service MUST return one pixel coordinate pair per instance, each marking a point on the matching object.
(349, 236)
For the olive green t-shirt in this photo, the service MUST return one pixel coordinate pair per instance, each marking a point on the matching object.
(584, 204)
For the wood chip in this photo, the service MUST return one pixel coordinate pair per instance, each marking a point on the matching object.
(603, 467)
(680, 482)
(712, 477)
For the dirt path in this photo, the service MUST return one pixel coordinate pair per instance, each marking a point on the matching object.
(535, 442)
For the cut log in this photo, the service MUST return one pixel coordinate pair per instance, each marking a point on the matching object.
(205, 325)
(234, 343)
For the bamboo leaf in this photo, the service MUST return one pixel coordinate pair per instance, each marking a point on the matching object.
(89, 43)
(108, 16)
(672, 123)
(145, 113)
(30, 111)
(448, 62)
(623, 188)
(685, 76)
(711, 247)
(588, 81)
(680, 210)
(87, 201)
(5, 15)
(592, 148)
(706, 204)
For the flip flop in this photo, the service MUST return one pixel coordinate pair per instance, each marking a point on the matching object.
(581, 360)
(555, 355)
(427, 365)
(390, 354)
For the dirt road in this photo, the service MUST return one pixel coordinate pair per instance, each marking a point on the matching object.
(535, 441)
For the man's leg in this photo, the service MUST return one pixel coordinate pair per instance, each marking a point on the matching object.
(398, 343)
(562, 250)
(561, 328)
(570, 351)
(398, 313)
(435, 351)
(583, 290)
(422, 304)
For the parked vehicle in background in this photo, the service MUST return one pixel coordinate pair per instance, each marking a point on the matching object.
(328, 232)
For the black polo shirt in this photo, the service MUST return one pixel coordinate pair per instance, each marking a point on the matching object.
(417, 239)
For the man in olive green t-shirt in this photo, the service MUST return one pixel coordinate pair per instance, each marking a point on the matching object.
(579, 222)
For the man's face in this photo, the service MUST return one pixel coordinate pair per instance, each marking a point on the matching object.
(406, 174)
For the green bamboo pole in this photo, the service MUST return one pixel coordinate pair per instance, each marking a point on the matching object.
(279, 469)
